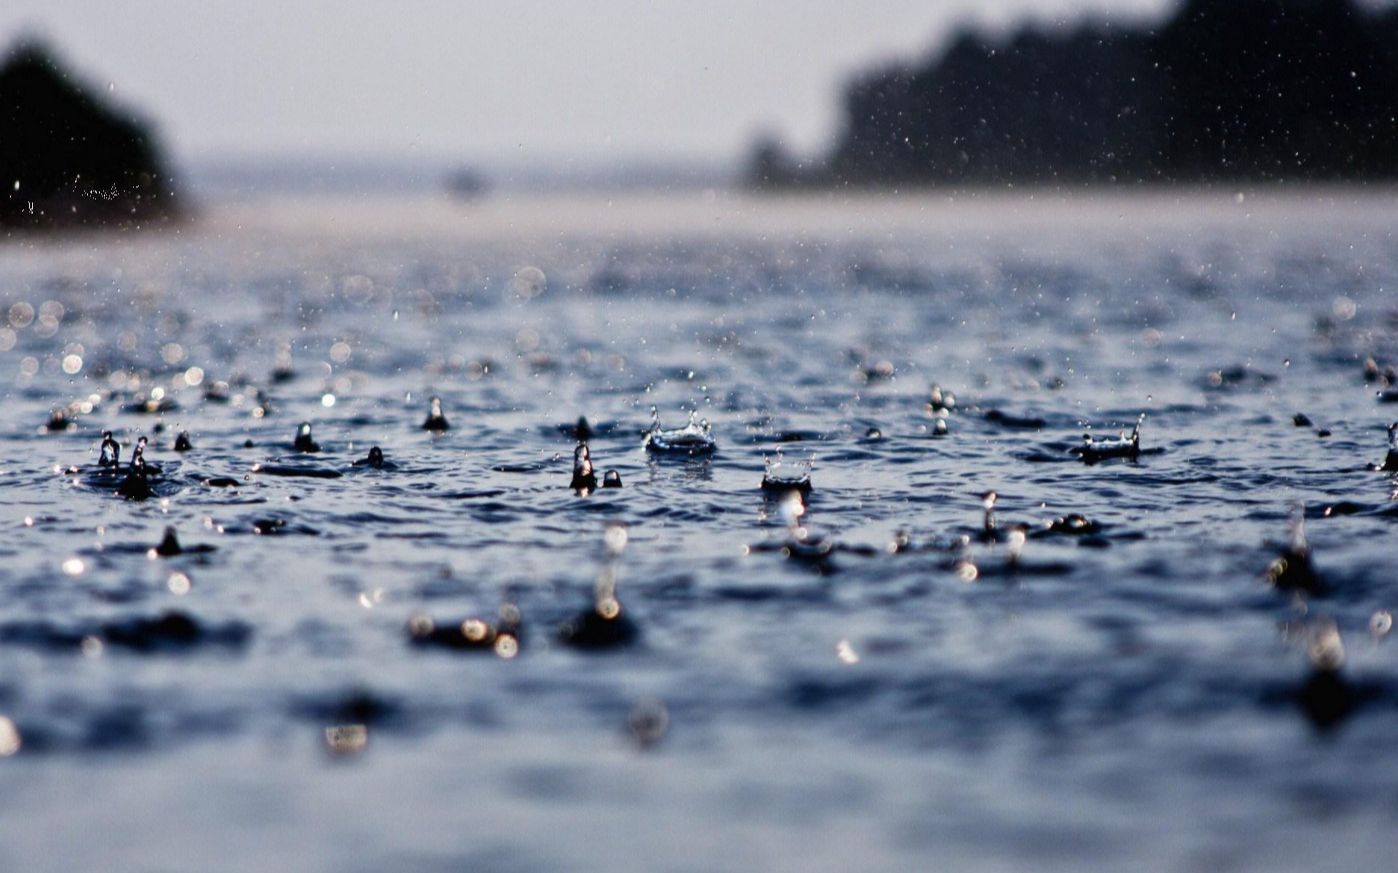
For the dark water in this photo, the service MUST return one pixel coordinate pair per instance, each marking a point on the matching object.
(1137, 696)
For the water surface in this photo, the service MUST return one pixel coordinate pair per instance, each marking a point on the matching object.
(1133, 697)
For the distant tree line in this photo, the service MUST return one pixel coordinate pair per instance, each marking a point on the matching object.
(1223, 90)
(67, 157)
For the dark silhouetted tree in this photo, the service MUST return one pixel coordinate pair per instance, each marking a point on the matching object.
(1223, 90)
(66, 158)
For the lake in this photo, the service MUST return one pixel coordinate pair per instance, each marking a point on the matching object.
(864, 679)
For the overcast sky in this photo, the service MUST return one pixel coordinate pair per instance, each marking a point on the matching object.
(499, 80)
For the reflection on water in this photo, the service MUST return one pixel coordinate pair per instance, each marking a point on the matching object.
(964, 648)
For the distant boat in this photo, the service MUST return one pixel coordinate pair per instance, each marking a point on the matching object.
(466, 184)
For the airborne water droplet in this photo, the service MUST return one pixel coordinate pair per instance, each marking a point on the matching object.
(1380, 623)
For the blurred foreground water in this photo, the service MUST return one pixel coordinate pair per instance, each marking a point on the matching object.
(870, 683)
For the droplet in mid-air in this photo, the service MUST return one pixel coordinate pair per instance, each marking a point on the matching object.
(988, 521)
(436, 422)
(940, 402)
(584, 477)
(304, 442)
(1380, 623)
(110, 454)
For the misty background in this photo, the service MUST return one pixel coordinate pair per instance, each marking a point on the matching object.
(530, 94)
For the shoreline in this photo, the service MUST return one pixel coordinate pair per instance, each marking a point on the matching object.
(544, 219)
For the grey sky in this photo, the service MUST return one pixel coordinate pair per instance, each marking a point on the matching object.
(517, 79)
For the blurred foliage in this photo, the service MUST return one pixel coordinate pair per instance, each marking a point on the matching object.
(1235, 90)
(68, 158)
